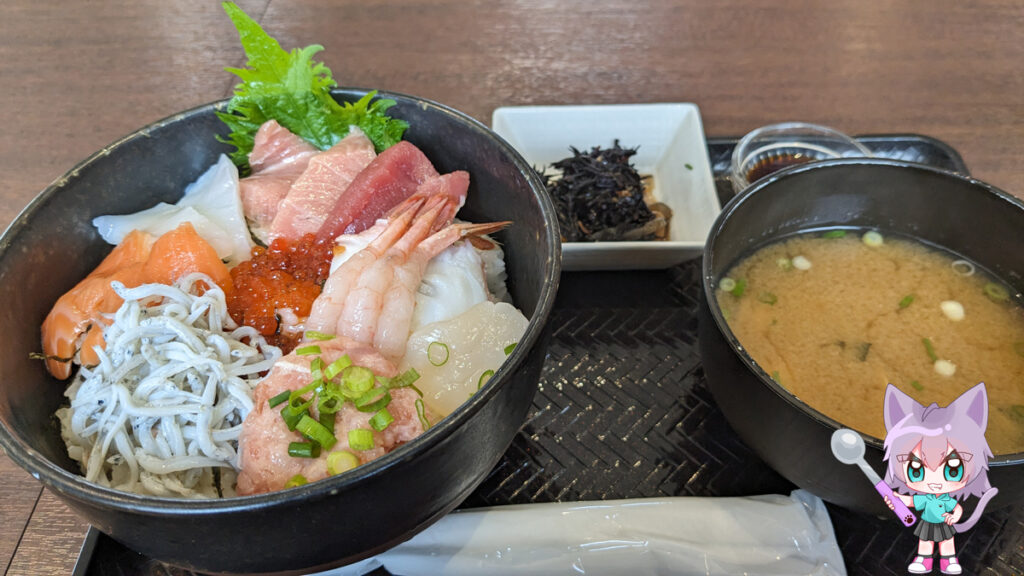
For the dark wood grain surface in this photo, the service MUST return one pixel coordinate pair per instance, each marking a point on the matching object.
(75, 76)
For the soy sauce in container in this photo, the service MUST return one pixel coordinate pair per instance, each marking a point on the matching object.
(772, 148)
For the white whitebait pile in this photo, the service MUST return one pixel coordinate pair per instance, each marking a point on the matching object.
(162, 411)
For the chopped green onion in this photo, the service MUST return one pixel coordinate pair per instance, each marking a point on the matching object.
(406, 378)
(292, 413)
(381, 420)
(421, 412)
(484, 378)
(741, 287)
(767, 298)
(314, 335)
(510, 348)
(336, 367)
(929, 349)
(1018, 347)
(834, 234)
(776, 377)
(688, 166)
(298, 393)
(906, 301)
(357, 378)
(316, 368)
(341, 461)
(437, 353)
(360, 439)
(303, 449)
(307, 350)
(872, 239)
(727, 284)
(373, 400)
(279, 399)
(784, 263)
(403, 380)
(916, 385)
(996, 292)
(329, 405)
(327, 421)
(315, 431)
(963, 267)
(297, 480)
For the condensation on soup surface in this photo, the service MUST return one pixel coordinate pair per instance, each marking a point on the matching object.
(835, 316)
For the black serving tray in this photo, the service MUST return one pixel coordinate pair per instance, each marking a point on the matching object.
(623, 411)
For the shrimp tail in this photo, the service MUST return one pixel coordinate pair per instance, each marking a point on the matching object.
(976, 515)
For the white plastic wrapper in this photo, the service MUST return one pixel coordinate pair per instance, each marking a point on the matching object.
(771, 534)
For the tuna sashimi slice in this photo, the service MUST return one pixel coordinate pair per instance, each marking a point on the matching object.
(390, 178)
(328, 175)
(277, 159)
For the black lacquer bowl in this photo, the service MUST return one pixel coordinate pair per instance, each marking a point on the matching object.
(962, 214)
(52, 245)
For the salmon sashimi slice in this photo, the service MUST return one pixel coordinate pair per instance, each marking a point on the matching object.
(327, 177)
(183, 251)
(277, 159)
(74, 312)
(263, 445)
(391, 178)
(138, 259)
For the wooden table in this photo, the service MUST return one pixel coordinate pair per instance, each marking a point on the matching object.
(75, 76)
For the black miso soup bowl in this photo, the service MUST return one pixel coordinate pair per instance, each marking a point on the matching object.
(52, 245)
(962, 214)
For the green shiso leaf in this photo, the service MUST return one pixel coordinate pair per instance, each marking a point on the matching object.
(296, 91)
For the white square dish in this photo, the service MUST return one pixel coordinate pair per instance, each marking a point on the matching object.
(670, 146)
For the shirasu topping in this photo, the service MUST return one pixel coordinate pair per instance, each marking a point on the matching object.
(162, 411)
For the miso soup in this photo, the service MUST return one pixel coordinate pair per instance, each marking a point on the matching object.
(835, 316)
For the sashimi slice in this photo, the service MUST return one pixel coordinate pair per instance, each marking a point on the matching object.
(454, 185)
(475, 341)
(161, 219)
(215, 194)
(183, 251)
(211, 203)
(74, 311)
(317, 191)
(277, 159)
(392, 177)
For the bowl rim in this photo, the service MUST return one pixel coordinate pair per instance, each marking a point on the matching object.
(78, 488)
(736, 203)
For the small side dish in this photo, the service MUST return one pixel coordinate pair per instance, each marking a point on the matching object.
(669, 145)
(600, 197)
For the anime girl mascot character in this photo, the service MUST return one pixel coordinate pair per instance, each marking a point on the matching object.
(936, 458)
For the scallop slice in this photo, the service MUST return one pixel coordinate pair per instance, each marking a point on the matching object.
(476, 341)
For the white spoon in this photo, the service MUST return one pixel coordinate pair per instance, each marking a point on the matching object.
(848, 448)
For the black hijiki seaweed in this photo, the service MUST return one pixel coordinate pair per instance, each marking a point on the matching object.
(600, 196)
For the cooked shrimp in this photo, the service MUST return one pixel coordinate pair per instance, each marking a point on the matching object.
(370, 298)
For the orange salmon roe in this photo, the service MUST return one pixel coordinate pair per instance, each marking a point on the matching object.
(283, 275)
